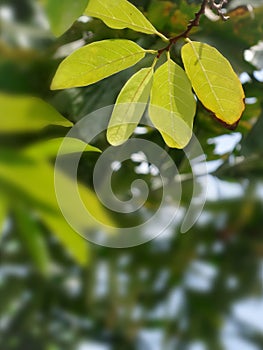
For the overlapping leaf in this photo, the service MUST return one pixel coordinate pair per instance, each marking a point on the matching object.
(214, 81)
(130, 106)
(120, 14)
(172, 104)
(95, 62)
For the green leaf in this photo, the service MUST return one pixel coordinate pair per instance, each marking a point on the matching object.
(31, 179)
(27, 114)
(33, 238)
(3, 213)
(130, 106)
(214, 81)
(172, 104)
(95, 62)
(120, 14)
(62, 13)
(50, 148)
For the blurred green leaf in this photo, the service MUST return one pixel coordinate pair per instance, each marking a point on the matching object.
(252, 144)
(3, 213)
(33, 239)
(62, 13)
(50, 148)
(171, 17)
(21, 114)
(35, 177)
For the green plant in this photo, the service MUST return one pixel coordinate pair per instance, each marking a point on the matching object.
(172, 104)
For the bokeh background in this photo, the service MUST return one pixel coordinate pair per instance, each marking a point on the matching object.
(202, 290)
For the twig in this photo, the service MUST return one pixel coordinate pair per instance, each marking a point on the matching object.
(196, 21)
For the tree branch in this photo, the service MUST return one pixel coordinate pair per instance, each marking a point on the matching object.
(196, 21)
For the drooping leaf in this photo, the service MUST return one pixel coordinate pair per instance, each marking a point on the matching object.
(129, 107)
(119, 14)
(27, 114)
(214, 81)
(95, 62)
(172, 104)
(62, 13)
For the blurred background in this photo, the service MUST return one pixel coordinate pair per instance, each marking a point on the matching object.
(195, 291)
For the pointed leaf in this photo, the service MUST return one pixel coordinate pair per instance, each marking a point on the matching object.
(27, 114)
(62, 13)
(50, 148)
(172, 104)
(130, 106)
(214, 81)
(119, 14)
(95, 62)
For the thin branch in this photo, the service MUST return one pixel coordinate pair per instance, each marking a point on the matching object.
(196, 21)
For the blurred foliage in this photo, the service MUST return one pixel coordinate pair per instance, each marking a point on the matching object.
(59, 292)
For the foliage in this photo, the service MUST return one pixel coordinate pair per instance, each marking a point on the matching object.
(213, 79)
(58, 291)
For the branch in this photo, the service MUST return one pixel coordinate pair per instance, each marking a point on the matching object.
(196, 21)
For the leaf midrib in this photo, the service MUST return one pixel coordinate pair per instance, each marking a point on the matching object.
(96, 68)
(118, 127)
(207, 79)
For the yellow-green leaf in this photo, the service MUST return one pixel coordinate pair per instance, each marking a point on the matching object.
(27, 114)
(214, 81)
(172, 104)
(95, 62)
(62, 13)
(119, 14)
(50, 148)
(130, 106)
(32, 177)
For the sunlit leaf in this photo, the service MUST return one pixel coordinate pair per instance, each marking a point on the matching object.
(214, 81)
(172, 104)
(95, 62)
(120, 14)
(27, 114)
(32, 178)
(62, 13)
(129, 107)
(50, 148)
